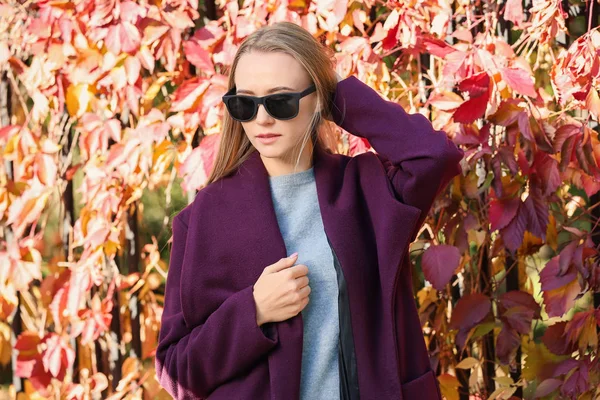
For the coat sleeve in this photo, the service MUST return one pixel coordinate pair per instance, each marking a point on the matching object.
(419, 160)
(191, 361)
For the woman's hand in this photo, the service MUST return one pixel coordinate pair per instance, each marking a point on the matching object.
(281, 291)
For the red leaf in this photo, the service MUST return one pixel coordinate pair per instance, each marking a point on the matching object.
(507, 343)
(518, 319)
(478, 87)
(198, 56)
(536, 211)
(437, 47)
(439, 263)
(566, 153)
(470, 110)
(130, 37)
(550, 277)
(546, 387)
(547, 169)
(519, 80)
(513, 11)
(58, 355)
(470, 310)
(390, 40)
(501, 212)
(563, 133)
(525, 126)
(516, 298)
(559, 292)
(187, 95)
(512, 234)
(578, 382)
(508, 158)
(209, 146)
(556, 341)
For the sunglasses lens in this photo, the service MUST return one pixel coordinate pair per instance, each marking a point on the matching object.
(282, 106)
(240, 108)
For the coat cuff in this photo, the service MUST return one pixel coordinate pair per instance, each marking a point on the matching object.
(262, 338)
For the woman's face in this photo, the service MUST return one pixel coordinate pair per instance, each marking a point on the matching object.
(260, 74)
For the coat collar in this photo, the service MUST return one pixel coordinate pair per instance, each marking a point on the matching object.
(253, 176)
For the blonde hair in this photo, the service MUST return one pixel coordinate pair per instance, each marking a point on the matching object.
(317, 60)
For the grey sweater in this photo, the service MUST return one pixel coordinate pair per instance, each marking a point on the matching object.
(296, 206)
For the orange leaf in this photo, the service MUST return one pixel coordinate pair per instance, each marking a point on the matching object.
(592, 102)
(449, 386)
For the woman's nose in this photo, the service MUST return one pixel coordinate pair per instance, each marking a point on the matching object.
(262, 116)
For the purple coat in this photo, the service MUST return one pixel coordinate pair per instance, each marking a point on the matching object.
(372, 206)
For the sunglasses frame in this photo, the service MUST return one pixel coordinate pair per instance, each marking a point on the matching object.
(261, 100)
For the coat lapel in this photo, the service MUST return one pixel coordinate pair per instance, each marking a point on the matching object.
(286, 361)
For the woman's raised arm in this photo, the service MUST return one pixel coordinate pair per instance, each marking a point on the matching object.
(420, 161)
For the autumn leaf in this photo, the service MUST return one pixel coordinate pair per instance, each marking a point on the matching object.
(478, 87)
(592, 102)
(519, 80)
(79, 99)
(439, 264)
(502, 212)
(445, 100)
(449, 386)
(513, 11)
(188, 94)
(559, 291)
(57, 356)
(199, 57)
(469, 311)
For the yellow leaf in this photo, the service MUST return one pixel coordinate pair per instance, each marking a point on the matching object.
(456, 192)
(5, 346)
(79, 99)
(499, 264)
(538, 358)
(31, 392)
(502, 393)
(470, 184)
(551, 234)
(531, 244)
(152, 91)
(504, 380)
(449, 386)
(131, 366)
(110, 248)
(588, 336)
(467, 363)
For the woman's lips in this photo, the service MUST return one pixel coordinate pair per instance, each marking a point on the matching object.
(267, 139)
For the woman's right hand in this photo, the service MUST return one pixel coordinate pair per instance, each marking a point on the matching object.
(281, 291)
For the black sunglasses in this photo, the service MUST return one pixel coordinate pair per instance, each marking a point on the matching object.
(283, 106)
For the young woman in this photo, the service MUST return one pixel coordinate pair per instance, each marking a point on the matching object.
(237, 320)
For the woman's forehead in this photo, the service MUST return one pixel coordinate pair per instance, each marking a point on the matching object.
(262, 73)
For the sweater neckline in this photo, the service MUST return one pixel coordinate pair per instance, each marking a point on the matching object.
(293, 179)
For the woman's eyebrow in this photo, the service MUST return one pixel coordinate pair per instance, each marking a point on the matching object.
(275, 89)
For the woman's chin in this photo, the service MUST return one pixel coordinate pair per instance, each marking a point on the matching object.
(269, 151)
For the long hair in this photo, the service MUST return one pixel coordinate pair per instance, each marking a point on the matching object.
(317, 60)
